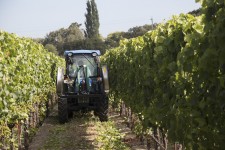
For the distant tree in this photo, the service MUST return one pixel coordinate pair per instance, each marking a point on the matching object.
(73, 33)
(95, 43)
(196, 12)
(38, 40)
(92, 20)
(113, 39)
(51, 48)
(64, 39)
(139, 31)
(93, 38)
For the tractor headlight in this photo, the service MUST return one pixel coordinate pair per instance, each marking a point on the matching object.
(94, 54)
(70, 54)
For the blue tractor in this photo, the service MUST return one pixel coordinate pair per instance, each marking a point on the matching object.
(82, 85)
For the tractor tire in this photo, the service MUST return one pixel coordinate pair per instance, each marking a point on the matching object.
(96, 113)
(63, 110)
(70, 114)
(102, 110)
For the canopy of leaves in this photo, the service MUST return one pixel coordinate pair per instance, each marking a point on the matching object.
(63, 37)
(51, 48)
(113, 39)
(174, 77)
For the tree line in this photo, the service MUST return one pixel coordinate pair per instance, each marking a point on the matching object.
(173, 80)
(74, 37)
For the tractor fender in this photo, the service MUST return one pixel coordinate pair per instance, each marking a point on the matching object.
(105, 78)
(60, 81)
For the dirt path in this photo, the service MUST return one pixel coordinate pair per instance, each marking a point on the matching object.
(80, 133)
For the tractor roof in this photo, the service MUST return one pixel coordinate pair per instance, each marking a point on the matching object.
(82, 52)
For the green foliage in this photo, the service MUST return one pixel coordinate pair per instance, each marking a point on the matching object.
(27, 75)
(51, 48)
(139, 31)
(113, 39)
(63, 39)
(92, 20)
(71, 38)
(109, 137)
(94, 43)
(196, 12)
(174, 77)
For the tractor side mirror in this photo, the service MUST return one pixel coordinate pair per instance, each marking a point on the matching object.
(97, 60)
(70, 61)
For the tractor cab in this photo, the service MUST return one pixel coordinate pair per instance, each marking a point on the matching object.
(82, 84)
(83, 71)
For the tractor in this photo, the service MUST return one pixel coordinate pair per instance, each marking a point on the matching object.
(83, 85)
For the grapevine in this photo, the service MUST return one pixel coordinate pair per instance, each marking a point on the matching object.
(174, 77)
(27, 76)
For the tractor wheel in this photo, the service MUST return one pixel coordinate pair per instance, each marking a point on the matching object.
(102, 111)
(62, 110)
(96, 113)
(70, 114)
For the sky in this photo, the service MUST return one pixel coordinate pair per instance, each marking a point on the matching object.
(36, 18)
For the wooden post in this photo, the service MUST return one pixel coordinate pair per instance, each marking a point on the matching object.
(156, 137)
(121, 108)
(177, 146)
(26, 135)
(142, 139)
(19, 135)
(37, 115)
(165, 141)
(148, 144)
(11, 143)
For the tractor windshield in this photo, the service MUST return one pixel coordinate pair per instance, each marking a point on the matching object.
(81, 60)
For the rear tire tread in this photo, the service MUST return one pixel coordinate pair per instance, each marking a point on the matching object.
(102, 110)
(63, 110)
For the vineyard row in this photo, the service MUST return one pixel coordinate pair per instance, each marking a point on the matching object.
(27, 79)
(173, 78)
